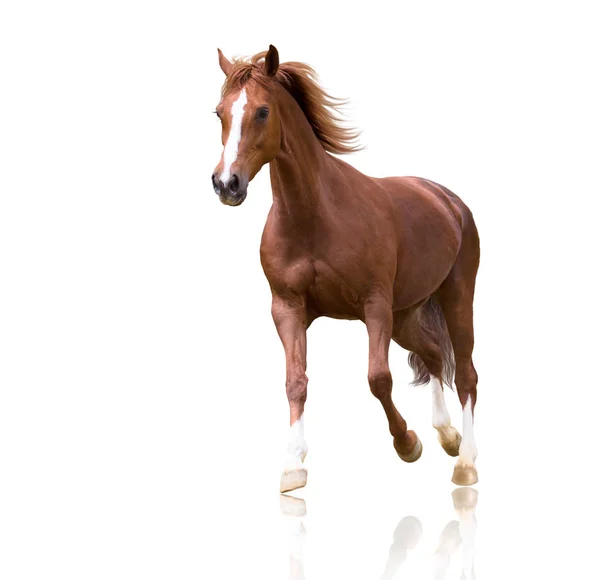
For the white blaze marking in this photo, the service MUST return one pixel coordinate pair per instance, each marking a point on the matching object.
(235, 135)
(297, 447)
(441, 417)
(468, 450)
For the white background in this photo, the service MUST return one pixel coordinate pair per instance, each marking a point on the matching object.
(143, 416)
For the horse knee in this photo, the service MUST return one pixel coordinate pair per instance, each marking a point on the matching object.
(381, 383)
(296, 388)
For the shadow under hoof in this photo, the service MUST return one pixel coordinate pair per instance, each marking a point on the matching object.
(464, 475)
(450, 441)
(414, 454)
(294, 479)
(464, 499)
(292, 506)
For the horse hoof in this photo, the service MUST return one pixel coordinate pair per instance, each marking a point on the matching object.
(464, 475)
(450, 439)
(414, 454)
(294, 479)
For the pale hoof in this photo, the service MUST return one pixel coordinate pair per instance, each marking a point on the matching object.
(464, 475)
(414, 454)
(450, 440)
(294, 479)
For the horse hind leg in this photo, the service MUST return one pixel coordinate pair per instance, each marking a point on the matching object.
(422, 331)
(456, 300)
(459, 316)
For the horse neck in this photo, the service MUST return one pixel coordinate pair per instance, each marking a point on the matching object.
(297, 169)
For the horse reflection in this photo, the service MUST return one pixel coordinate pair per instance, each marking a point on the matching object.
(457, 533)
(406, 536)
(295, 509)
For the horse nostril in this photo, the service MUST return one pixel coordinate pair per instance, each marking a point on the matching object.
(234, 184)
(215, 183)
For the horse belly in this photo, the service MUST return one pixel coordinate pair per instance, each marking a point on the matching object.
(421, 270)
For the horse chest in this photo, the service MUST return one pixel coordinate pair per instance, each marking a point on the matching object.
(328, 292)
(327, 275)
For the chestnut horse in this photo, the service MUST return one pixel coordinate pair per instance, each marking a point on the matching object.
(399, 253)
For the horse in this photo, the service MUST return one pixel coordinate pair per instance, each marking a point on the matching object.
(399, 253)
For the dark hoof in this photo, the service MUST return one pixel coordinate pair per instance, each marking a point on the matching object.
(412, 455)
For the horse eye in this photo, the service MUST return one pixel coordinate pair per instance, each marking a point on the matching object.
(262, 113)
(217, 114)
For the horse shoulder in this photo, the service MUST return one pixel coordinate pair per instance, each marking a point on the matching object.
(286, 263)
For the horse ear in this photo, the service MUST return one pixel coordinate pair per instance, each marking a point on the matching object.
(272, 61)
(225, 65)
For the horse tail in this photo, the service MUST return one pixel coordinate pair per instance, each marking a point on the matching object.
(434, 324)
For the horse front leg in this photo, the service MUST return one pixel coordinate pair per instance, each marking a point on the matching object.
(291, 321)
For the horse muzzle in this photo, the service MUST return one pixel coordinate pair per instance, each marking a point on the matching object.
(233, 192)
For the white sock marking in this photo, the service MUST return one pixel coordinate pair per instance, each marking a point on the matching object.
(468, 450)
(235, 135)
(297, 447)
(441, 417)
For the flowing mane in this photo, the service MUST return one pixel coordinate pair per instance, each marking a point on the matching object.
(321, 109)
